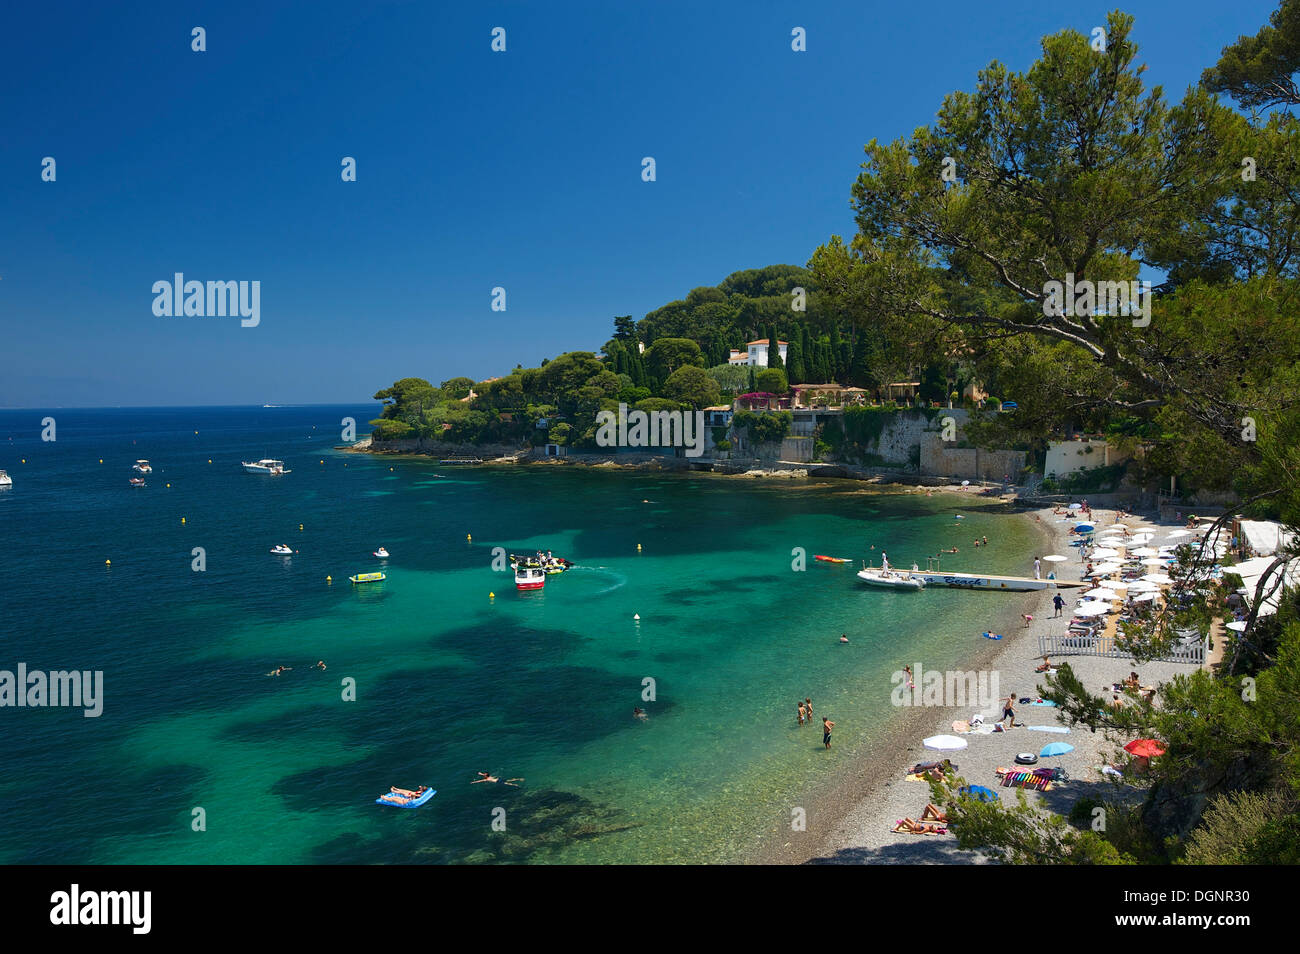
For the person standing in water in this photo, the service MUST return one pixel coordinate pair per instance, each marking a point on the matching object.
(801, 713)
(807, 704)
(827, 725)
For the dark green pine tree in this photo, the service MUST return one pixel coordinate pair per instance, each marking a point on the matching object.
(751, 379)
(833, 355)
(625, 328)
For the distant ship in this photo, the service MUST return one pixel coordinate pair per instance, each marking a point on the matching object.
(5, 480)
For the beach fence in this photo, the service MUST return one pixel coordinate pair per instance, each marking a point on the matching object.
(1190, 651)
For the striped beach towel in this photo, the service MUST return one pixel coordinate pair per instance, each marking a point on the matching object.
(1018, 779)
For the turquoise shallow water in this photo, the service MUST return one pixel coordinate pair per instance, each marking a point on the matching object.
(448, 681)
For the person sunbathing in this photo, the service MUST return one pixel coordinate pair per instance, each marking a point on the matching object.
(1045, 666)
(940, 767)
(933, 813)
(906, 825)
(408, 793)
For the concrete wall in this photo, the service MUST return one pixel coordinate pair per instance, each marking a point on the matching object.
(797, 449)
(1068, 457)
(939, 458)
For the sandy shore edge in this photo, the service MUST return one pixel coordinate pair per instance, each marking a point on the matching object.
(850, 821)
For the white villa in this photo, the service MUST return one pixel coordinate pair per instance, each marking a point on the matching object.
(756, 353)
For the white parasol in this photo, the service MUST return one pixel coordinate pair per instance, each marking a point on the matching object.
(1092, 608)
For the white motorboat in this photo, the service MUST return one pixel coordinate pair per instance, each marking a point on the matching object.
(281, 550)
(266, 466)
(142, 466)
(891, 579)
(5, 480)
(381, 553)
(529, 578)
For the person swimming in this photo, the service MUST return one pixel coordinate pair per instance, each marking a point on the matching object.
(844, 637)
(639, 713)
(487, 777)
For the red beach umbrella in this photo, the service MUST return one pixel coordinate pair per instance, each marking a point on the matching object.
(1146, 748)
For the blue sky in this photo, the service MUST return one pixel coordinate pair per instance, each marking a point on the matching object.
(475, 169)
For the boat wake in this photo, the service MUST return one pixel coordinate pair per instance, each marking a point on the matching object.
(619, 578)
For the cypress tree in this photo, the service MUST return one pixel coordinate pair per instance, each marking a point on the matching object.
(774, 349)
(795, 372)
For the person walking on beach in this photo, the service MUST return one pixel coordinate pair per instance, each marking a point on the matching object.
(1058, 603)
(827, 725)
(1038, 569)
(1009, 711)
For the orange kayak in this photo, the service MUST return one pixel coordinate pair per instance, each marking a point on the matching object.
(826, 559)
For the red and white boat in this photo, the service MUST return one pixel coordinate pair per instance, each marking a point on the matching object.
(529, 578)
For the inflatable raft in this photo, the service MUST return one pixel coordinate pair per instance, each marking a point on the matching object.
(391, 798)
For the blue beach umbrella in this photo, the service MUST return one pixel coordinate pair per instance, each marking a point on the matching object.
(978, 792)
(1055, 748)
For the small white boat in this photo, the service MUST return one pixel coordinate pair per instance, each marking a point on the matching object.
(281, 550)
(529, 578)
(142, 466)
(5, 480)
(137, 481)
(381, 553)
(266, 466)
(890, 579)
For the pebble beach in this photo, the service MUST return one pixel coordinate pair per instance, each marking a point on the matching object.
(853, 820)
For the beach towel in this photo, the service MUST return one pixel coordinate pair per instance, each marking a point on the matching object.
(1062, 730)
(985, 728)
(1024, 779)
(1044, 702)
(961, 727)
